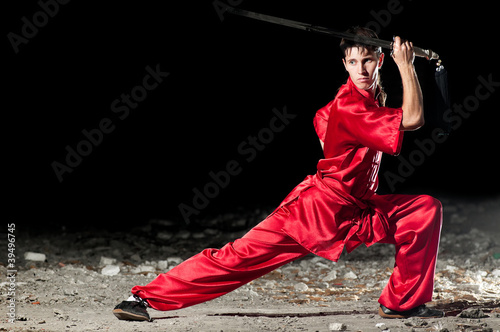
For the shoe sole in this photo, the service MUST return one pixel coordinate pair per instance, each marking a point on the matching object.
(124, 315)
(384, 315)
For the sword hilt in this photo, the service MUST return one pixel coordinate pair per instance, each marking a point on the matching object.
(428, 54)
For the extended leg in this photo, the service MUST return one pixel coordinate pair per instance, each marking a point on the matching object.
(215, 272)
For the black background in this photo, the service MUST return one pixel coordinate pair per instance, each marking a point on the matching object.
(226, 76)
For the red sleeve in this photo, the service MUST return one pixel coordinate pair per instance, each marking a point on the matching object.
(360, 120)
(321, 121)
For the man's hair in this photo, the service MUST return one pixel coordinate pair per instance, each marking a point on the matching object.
(362, 32)
(348, 44)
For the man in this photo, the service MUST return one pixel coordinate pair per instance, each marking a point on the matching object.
(334, 209)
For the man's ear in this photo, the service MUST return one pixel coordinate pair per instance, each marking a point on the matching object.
(380, 60)
(343, 61)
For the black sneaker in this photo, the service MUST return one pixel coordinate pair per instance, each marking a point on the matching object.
(420, 311)
(132, 310)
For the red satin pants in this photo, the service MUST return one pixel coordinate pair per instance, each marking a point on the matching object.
(414, 230)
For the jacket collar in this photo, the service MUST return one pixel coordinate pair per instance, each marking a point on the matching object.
(364, 93)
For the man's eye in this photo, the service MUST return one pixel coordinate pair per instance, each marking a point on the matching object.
(352, 62)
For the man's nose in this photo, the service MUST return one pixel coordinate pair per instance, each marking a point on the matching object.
(361, 69)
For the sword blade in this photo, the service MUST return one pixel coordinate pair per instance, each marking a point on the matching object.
(424, 53)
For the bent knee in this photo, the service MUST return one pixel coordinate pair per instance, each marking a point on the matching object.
(432, 204)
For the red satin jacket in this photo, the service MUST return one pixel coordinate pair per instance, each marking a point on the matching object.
(355, 132)
(337, 207)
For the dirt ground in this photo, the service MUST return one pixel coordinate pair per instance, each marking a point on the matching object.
(86, 273)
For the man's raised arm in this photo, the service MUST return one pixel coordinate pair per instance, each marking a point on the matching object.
(413, 106)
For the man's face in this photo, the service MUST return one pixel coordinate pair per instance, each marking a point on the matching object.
(363, 66)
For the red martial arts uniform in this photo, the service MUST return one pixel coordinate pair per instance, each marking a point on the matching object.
(335, 208)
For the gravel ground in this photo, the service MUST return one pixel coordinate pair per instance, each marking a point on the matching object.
(86, 273)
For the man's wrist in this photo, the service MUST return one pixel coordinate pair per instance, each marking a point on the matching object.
(407, 69)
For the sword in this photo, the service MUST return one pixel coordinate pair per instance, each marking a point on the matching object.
(420, 52)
